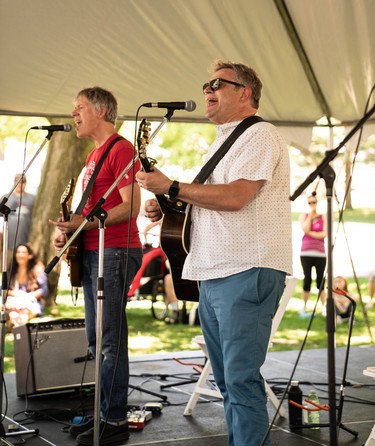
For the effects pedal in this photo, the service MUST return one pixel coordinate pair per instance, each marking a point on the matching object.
(138, 418)
(155, 408)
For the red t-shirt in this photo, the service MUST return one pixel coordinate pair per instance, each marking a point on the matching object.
(120, 155)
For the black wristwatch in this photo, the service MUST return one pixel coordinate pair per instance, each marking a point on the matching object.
(174, 189)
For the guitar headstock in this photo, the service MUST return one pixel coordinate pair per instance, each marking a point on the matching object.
(143, 138)
(67, 195)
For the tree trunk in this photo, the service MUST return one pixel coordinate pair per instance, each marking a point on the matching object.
(66, 155)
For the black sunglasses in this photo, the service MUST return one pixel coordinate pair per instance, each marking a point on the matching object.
(312, 202)
(215, 84)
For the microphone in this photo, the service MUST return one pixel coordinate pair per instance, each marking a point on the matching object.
(188, 105)
(54, 128)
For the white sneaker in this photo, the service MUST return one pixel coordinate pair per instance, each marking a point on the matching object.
(303, 314)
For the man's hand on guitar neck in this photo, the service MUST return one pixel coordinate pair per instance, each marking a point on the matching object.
(152, 210)
(155, 181)
(67, 227)
(63, 228)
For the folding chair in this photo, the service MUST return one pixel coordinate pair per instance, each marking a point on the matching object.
(201, 387)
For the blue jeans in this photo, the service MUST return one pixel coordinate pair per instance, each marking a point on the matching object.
(236, 317)
(118, 273)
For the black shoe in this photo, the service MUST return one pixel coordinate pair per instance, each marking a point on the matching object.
(109, 435)
(76, 429)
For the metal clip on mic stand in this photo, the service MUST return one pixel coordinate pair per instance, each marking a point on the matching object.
(325, 171)
(5, 211)
(101, 214)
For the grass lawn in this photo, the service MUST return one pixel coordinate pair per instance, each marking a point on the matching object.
(148, 335)
(365, 215)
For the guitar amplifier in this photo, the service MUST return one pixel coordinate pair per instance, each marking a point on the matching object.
(50, 356)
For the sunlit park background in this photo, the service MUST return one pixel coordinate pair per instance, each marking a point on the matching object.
(179, 150)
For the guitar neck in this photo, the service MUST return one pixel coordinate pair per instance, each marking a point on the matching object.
(165, 203)
(147, 167)
(65, 212)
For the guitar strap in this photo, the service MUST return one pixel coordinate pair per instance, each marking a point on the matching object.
(90, 184)
(207, 169)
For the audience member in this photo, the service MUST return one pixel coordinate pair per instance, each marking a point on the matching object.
(28, 287)
(21, 205)
(170, 296)
(171, 299)
(313, 253)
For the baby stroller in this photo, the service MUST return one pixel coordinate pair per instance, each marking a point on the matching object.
(148, 283)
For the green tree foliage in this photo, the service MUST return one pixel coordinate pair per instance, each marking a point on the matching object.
(16, 127)
(186, 144)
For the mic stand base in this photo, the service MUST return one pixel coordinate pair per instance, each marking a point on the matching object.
(318, 425)
(4, 435)
(149, 392)
(22, 432)
(181, 383)
(339, 409)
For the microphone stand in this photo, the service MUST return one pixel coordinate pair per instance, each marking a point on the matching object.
(5, 211)
(166, 118)
(101, 214)
(325, 171)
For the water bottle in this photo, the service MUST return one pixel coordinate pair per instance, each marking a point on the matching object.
(295, 413)
(313, 417)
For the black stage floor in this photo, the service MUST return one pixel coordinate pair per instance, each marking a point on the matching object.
(206, 427)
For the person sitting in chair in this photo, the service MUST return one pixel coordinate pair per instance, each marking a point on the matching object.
(28, 287)
(343, 306)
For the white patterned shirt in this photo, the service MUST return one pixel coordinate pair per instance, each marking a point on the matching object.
(223, 243)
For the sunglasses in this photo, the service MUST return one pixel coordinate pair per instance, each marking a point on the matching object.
(312, 202)
(215, 84)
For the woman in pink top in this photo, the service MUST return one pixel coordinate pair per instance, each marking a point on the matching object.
(313, 253)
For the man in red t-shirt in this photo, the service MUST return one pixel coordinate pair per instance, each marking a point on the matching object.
(95, 113)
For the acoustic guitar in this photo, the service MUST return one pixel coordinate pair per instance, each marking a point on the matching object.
(175, 226)
(73, 254)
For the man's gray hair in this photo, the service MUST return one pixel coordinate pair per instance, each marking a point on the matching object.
(244, 75)
(99, 97)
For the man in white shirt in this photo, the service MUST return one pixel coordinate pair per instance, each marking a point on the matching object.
(240, 245)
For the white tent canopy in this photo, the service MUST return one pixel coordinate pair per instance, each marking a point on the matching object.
(315, 57)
